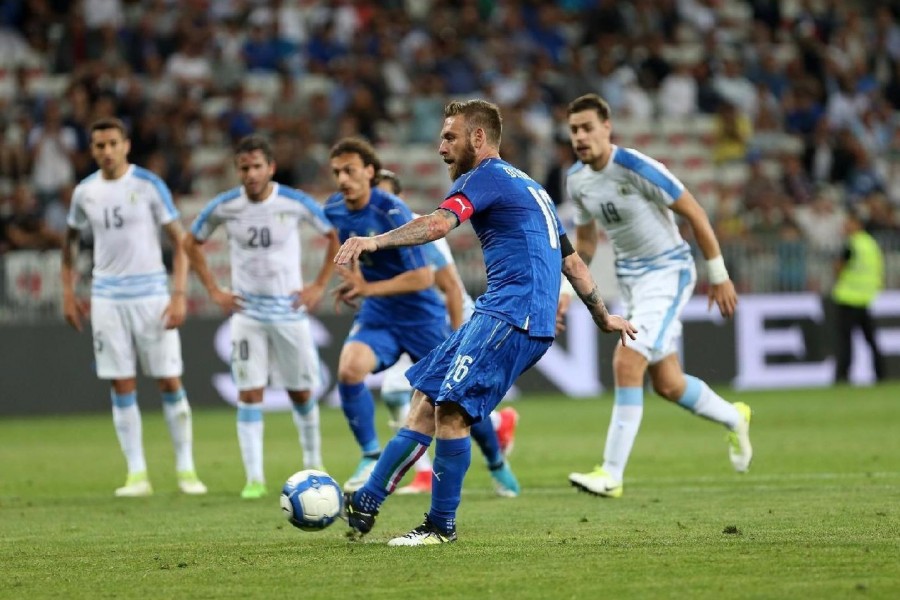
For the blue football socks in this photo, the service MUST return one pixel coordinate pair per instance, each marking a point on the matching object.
(359, 408)
(451, 461)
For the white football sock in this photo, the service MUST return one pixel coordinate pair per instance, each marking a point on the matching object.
(127, 421)
(178, 418)
(250, 439)
(703, 402)
(624, 424)
(310, 435)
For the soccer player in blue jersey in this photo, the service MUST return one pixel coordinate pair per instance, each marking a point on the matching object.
(397, 393)
(464, 378)
(399, 312)
(634, 198)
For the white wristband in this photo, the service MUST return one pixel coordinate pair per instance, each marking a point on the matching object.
(716, 271)
(566, 289)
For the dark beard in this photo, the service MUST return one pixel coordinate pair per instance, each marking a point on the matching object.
(464, 163)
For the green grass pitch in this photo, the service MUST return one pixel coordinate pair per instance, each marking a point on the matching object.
(818, 516)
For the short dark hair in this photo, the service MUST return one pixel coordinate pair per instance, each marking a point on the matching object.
(590, 102)
(109, 123)
(388, 175)
(356, 145)
(479, 113)
(252, 143)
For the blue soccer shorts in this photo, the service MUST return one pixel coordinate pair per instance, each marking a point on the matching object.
(388, 343)
(477, 365)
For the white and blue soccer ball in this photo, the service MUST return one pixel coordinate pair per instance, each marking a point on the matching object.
(311, 500)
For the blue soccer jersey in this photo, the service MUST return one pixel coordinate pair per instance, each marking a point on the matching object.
(516, 222)
(385, 212)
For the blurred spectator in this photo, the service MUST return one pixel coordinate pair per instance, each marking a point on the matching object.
(795, 181)
(822, 222)
(845, 104)
(13, 156)
(190, 67)
(734, 87)
(678, 92)
(563, 159)
(53, 146)
(236, 120)
(760, 188)
(25, 226)
(732, 134)
(790, 250)
(263, 50)
(102, 13)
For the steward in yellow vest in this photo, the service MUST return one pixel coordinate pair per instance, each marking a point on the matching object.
(860, 277)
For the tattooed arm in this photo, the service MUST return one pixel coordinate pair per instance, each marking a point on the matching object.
(584, 285)
(420, 230)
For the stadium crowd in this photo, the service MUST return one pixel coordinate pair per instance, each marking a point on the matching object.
(798, 98)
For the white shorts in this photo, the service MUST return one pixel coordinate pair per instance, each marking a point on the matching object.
(653, 304)
(394, 377)
(282, 354)
(127, 329)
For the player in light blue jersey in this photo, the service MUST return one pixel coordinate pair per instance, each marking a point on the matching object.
(399, 311)
(462, 380)
(634, 198)
(272, 340)
(134, 317)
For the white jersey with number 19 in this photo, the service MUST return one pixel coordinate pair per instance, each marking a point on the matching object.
(630, 197)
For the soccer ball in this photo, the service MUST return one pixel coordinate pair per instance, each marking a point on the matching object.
(311, 500)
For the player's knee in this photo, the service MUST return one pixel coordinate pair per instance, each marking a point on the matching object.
(451, 420)
(300, 396)
(628, 371)
(670, 390)
(350, 374)
(251, 396)
(169, 384)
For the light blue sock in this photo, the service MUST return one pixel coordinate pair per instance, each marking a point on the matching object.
(398, 456)
(171, 398)
(701, 400)
(451, 461)
(123, 400)
(691, 393)
(486, 437)
(304, 409)
(359, 408)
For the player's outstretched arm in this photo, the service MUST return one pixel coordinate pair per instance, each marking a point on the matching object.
(721, 289)
(420, 230)
(585, 287)
(74, 309)
(176, 310)
(226, 300)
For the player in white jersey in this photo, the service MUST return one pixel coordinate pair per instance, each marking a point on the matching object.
(270, 331)
(496, 437)
(635, 198)
(133, 315)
